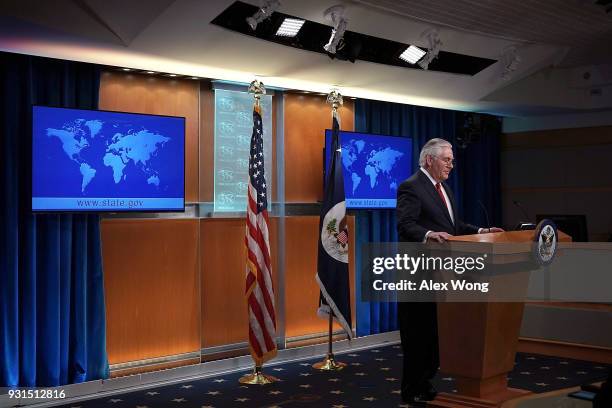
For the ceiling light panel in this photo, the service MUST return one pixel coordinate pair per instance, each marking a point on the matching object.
(412, 54)
(290, 27)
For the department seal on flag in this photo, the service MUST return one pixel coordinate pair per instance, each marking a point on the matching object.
(545, 242)
(334, 234)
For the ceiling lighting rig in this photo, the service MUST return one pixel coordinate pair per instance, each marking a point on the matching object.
(335, 14)
(510, 60)
(268, 23)
(434, 43)
(265, 11)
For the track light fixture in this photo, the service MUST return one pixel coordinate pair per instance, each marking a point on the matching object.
(432, 36)
(265, 11)
(510, 60)
(336, 15)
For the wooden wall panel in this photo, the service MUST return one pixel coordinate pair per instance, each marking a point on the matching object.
(301, 289)
(224, 313)
(560, 171)
(152, 94)
(274, 176)
(152, 288)
(207, 142)
(546, 139)
(566, 350)
(165, 298)
(306, 118)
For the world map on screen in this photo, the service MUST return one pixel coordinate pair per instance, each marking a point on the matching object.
(373, 167)
(93, 154)
(123, 149)
(104, 161)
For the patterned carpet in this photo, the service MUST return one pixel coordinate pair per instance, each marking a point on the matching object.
(372, 379)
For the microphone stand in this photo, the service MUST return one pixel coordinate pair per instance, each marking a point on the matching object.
(523, 225)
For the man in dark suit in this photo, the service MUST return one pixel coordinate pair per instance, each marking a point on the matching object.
(426, 211)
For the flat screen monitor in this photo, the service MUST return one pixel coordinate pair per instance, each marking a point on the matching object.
(101, 161)
(574, 225)
(373, 167)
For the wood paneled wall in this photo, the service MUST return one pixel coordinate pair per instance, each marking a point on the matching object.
(224, 319)
(562, 171)
(151, 279)
(154, 95)
(301, 288)
(223, 252)
(174, 286)
(207, 143)
(306, 118)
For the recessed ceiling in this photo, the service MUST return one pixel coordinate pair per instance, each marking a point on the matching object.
(176, 36)
(583, 26)
(354, 46)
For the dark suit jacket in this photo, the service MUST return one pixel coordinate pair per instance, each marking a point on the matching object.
(420, 209)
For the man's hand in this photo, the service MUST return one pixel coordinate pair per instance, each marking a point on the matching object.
(492, 229)
(438, 237)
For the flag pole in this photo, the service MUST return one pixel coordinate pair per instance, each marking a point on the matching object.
(329, 363)
(257, 377)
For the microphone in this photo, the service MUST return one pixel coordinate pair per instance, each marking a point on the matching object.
(523, 225)
(486, 213)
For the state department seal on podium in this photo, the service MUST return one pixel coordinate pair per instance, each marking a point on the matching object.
(545, 242)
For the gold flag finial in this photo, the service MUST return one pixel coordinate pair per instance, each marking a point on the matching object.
(257, 88)
(335, 99)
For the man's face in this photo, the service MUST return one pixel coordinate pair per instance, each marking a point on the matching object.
(440, 166)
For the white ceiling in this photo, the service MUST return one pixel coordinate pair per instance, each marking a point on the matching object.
(580, 25)
(558, 41)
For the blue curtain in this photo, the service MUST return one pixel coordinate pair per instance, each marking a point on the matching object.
(476, 177)
(52, 316)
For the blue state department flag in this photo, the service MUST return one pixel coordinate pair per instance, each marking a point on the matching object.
(332, 268)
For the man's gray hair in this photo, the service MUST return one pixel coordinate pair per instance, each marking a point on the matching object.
(432, 148)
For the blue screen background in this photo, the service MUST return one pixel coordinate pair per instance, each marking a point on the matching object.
(373, 167)
(85, 154)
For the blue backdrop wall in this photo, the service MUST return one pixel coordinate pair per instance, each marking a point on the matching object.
(52, 318)
(476, 177)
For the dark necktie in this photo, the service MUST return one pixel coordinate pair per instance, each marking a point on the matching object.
(439, 188)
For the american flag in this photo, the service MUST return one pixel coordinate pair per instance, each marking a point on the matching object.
(259, 288)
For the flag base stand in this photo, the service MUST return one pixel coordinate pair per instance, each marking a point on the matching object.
(330, 363)
(257, 378)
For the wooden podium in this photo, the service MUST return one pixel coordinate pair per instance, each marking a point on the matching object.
(478, 341)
